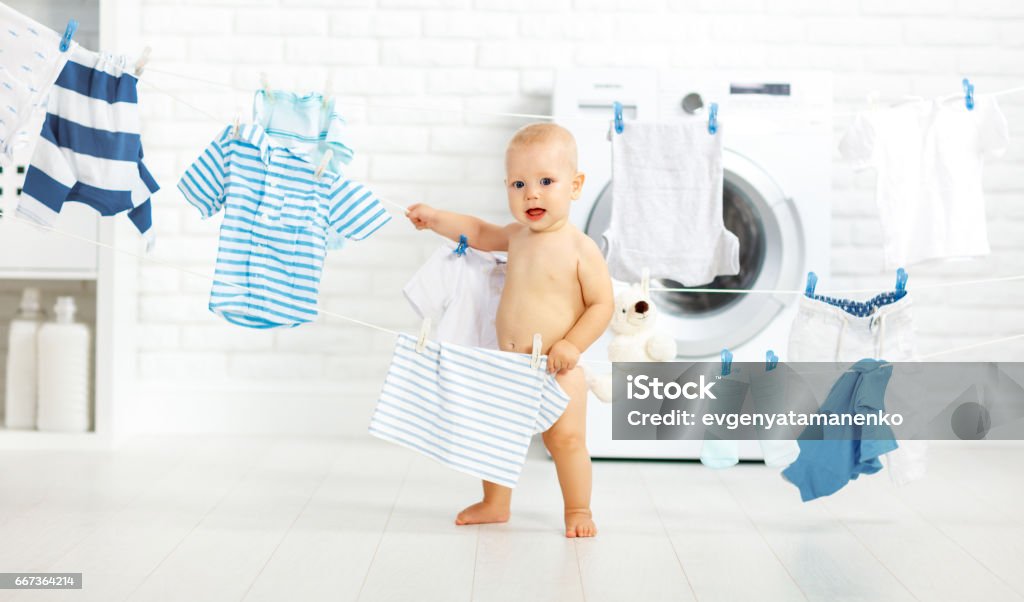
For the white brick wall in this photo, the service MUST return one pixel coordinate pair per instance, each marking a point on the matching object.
(501, 55)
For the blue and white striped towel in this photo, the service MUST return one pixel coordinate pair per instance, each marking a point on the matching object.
(474, 410)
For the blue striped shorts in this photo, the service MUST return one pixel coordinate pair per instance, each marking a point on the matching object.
(473, 410)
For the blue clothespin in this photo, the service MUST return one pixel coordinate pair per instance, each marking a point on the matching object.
(713, 119)
(726, 362)
(619, 125)
(463, 245)
(69, 31)
(812, 281)
(969, 94)
(901, 280)
(770, 361)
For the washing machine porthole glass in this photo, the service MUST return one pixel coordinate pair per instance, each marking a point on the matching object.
(742, 216)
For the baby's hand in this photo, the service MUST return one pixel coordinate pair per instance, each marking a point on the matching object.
(420, 215)
(563, 356)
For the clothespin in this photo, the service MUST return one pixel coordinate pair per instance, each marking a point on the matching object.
(463, 245)
(65, 42)
(535, 356)
(713, 119)
(812, 281)
(770, 361)
(324, 162)
(265, 84)
(726, 362)
(901, 280)
(327, 89)
(421, 342)
(969, 94)
(645, 282)
(238, 126)
(619, 124)
(140, 65)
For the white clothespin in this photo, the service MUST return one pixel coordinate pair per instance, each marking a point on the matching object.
(238, 126)
(421, 342)
(535, 356)
(327, 89)
(265, 84)
(645, 282)
(873, 97)
(323, 163)
(140, 65)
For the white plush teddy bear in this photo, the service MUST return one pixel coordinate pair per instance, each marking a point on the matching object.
(635, 337)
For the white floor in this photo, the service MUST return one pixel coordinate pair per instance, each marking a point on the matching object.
(287, 519)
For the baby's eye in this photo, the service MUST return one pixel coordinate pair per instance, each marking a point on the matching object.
(518, 184)
(623, 310)
(546, 181)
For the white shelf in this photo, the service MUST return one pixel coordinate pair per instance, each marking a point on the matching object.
(32, 440)
(41, 275)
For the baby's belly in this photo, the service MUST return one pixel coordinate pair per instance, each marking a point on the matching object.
(518, 321)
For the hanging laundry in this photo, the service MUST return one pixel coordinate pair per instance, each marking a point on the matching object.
(277, 214)
(90, 148)
(768, 393)
(30, 61)
(309, 125)
(832, 456)
(827, 329)
(667, 210)
(928, 156)
(460, 294)
(473, 410)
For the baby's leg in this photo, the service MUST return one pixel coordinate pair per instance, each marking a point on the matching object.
(567, 442)
(495, 507)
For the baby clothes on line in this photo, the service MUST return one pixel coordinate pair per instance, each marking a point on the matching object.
(460, 295)
(928, 156)
(667, 215)
(277, 213)
(30, 61)
(827, 329)
(831, 456)
(307, 124)
(473, 410)
(768, 394)
(90, 147)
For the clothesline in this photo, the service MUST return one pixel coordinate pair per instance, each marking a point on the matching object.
(383, 329)
(368, 104)
(831, 292)
(214, 279)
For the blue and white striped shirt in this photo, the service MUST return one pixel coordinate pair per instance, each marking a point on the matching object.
(277, 214)
(471, 409)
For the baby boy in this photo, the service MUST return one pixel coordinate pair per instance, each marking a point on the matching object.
(557, 284)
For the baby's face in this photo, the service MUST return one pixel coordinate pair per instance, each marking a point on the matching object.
(541, 183)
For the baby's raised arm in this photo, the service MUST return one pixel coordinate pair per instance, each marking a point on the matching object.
(481, 235)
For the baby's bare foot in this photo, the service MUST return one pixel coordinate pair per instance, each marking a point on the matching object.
(482, 512)
(579, 523)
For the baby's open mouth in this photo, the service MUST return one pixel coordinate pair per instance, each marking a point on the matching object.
(535, 213)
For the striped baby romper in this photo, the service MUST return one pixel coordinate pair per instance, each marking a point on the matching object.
(473, 410)
(90, 149)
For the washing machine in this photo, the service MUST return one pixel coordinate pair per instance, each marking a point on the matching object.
(777, 185)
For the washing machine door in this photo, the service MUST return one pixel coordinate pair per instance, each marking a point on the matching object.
(772, 248)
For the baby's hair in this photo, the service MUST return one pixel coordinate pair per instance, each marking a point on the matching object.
(534, 133)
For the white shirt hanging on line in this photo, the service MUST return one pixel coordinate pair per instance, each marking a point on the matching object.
(929, 156)
(460, 294)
